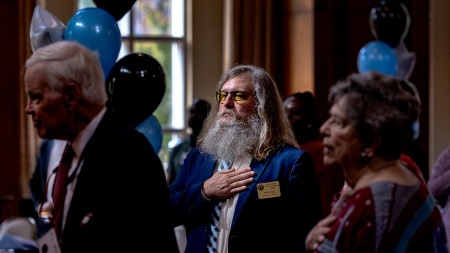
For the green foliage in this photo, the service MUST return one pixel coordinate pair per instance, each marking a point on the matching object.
(162, 52)
(152, 17)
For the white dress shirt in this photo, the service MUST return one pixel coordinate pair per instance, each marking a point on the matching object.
(228, 208)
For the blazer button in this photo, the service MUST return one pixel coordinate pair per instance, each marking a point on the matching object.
(206, 229)
(192, 208)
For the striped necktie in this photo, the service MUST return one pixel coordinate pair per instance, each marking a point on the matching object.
(211, 244)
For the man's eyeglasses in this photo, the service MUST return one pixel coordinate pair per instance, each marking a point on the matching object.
(235, 95)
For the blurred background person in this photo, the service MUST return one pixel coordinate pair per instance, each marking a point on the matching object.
(197, 115)
(302, 114)
(67, 101)
(439, 185)
(389, 208)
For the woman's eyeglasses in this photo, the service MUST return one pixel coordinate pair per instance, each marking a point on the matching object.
(235, 95)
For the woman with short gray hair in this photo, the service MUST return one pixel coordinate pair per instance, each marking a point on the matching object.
(388, 208)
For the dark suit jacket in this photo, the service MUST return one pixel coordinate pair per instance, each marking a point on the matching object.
(39, 180)
(259, 225)
(122, 186)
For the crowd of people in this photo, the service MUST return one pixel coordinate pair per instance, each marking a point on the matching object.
(256, 175)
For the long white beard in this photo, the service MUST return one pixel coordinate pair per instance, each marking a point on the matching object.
(230, 138)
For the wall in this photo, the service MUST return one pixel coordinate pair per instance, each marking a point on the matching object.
(62, 9)
(16, 161)
(439, 66)
(207, 34)
(298, 42)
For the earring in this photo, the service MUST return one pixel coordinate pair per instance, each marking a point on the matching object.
(363, 154)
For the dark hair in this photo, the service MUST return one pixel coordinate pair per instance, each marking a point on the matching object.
(308, 99)
(378, 108)
(203, 104)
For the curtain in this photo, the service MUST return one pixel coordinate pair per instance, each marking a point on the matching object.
(257, 34)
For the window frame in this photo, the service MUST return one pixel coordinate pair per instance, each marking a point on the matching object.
(131, 38)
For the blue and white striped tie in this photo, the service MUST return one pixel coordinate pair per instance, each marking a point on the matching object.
(211, 244)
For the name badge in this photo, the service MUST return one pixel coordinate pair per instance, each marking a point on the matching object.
(49, 242)
(269, 190)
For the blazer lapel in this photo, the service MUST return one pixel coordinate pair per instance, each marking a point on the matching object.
(88, 174)
(258, 167)
(208, 168)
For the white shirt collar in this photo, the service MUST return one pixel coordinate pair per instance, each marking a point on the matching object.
(84, 136)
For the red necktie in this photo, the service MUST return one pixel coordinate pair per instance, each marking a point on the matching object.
(60, 188)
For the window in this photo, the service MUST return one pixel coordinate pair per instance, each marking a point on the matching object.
(157, 28)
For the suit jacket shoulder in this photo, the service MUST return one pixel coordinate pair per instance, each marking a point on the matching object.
(121, 187)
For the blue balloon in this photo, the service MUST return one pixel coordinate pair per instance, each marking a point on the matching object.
(152, 130)
(97, 30)
(378, 56)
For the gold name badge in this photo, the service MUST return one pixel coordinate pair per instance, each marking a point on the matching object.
(269, 190)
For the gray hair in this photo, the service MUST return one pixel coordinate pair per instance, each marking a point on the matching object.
(378, 108)
(68, 61)
(275, 129)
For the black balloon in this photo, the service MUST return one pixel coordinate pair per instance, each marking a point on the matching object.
(389, 22)
(135, 87)
(117, 8)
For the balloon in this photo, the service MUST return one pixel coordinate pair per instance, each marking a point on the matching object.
(390, 21)
(379, 56)
(117, 8)
(97, 30)
(152, 130)
(135, 87)
(406, 62)
(45, 28)
(410, 88)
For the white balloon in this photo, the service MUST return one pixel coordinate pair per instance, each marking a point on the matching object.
(45, 28)
(406, 62)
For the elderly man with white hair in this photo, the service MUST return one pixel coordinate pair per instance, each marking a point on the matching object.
(109, 191)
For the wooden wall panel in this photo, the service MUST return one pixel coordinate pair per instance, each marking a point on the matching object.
(18, 142)
(9, 109)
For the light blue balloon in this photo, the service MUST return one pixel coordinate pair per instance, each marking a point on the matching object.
(97, 30)
(378, 56)
(152, 130)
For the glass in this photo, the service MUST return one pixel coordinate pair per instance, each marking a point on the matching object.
(170, 112)
(235, 95)
(124, 25)
(142, 29)
(124, 49)
(158, 18)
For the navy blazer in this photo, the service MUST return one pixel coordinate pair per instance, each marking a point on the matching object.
(121, 197)
(278, 224)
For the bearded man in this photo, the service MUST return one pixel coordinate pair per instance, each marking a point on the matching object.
(246, 188)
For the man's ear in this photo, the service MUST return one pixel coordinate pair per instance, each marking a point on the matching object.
(72, 94)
